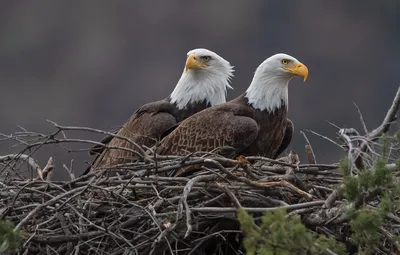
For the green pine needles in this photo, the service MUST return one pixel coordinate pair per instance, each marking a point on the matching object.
(283, 234)
(10, 240)
(377, 185)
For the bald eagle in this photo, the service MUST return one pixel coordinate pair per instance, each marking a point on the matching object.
(255, 123)
(203, 83)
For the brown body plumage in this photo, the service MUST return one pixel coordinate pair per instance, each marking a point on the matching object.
(235, 124)
(145, 127)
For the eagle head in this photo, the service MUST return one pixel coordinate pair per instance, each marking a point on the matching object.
(205, 78)
(269, 87)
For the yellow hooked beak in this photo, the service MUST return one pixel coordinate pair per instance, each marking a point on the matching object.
(299, 69)
(192, 62)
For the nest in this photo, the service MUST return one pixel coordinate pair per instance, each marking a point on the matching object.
(135, 210)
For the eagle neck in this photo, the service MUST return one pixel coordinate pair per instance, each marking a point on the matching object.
(268, 92)
(198, 86)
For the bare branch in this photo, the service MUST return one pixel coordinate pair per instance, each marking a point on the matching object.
(309, 149)
(140, 152)
(361, 118)
(46, 170)
(255, 210)
(389, 118)
(324, 137)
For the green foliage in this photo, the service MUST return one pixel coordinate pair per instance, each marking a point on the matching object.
(283, 234)
(351, 189)
(397, 135)
(377, 183)
(344, 167)
(9, 239)
(383, 177)
(385, 145)
(365, 224)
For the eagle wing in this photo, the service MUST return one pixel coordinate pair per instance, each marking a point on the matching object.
(144, 128)
(224, 125)
(287, 138)
(97, 149)
(151, 108)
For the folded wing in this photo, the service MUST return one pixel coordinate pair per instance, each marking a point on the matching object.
(226, 125)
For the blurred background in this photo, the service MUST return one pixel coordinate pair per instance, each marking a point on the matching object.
(93, 63)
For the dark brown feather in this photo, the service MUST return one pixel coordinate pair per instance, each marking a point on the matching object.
(145, 127)
(97, 149)
(236, 124)
(287, 138)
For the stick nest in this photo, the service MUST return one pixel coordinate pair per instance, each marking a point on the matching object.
(133, 208)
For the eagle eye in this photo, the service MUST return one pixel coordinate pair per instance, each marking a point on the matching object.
(206, 58)
(285, 61)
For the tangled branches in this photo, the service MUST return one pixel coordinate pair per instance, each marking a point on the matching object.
(114, 210)
(135, 209)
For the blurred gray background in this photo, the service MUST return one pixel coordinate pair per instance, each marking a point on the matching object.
(93, 63)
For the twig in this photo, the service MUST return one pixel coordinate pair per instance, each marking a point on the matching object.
(140, 152)
(289, 186)
(260, 184)
(393, 239)
(361, 118)
(389, 118)
(254, 158)
(183, 202)
(234, 200)
(40, 207)
(333, 124)
(309, 149)
(69, 171)
(255, 210)
(324, 137)
(42, 174)
(31, 161)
